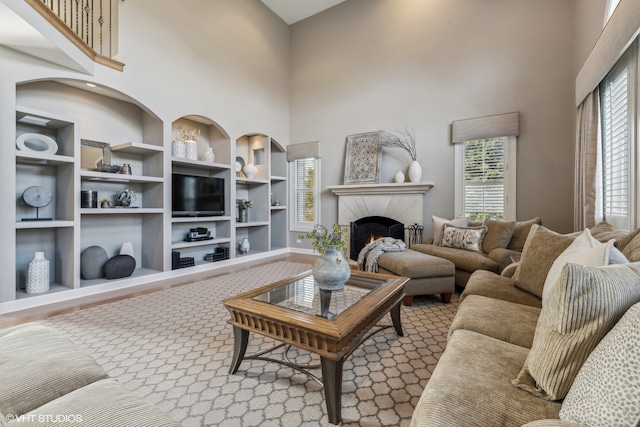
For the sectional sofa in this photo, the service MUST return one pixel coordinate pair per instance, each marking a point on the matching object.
(553, 341)
(46, 380)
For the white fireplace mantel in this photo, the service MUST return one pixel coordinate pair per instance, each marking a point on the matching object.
(371, 189)
(402, 202)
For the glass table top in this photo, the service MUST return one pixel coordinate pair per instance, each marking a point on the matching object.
(305, 296)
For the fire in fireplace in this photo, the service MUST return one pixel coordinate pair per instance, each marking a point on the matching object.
(365, 230)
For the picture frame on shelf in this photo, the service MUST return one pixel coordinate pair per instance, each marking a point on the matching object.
(363, 158)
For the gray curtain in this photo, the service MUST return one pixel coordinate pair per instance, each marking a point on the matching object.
(587, 166)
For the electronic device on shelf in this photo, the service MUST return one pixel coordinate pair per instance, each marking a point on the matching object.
(198, 234)
(195, 195)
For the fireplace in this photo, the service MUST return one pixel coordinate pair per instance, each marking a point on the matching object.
(365, 230)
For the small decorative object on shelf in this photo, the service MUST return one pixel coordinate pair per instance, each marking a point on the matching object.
(209, 155)
(221, 253)
(37, 197)
(127, 249)
(331, 271)
(92, 261)
(399, 178)
(105, 203)
(88, 199)
(407, 142)
(192, 150)
(245, 246)
(250, 171)
(125, 197)
(178, 149)
(125, 169)
(190, 138)
(38, 274)
(198, 234)
(243, 210)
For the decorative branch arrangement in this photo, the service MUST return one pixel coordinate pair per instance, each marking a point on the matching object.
(189, 134)
(403, 139)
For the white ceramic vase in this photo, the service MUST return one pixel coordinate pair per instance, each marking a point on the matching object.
(415, 171)
(330, 274)
(209, 155)
(399, 178)
(192, 150)
(127, 249)
(245, 246)
(250, 171)
(178, 149)
(38, 274)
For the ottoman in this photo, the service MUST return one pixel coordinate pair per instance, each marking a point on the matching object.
(427, 274)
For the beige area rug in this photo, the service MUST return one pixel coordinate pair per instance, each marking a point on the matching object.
(173, 348)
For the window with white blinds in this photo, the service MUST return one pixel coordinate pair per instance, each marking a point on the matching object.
(484, 166)
(484, 179)
(616, 156)
(305, 189)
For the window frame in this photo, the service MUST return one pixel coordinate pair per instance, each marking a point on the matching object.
(509, 177)
(303, 226)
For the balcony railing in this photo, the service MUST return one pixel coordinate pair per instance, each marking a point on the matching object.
(92, 25)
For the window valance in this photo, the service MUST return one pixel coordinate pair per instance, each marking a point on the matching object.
(305, 150)
(485, 127)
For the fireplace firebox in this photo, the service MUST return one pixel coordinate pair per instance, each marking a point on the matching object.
(365, 230)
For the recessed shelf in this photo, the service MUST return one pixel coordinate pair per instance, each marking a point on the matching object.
(24, 225)
(116, 177)
(278, 178)
(41, 158)
(53, 288)
(181, 245)
(251, 224)
(198, 164)
(136, 148)
(248, 181)
(139, 272)
(120, 211)
(199, 219)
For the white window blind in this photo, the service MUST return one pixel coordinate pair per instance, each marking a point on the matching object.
(305, 206)
(484, 179)
(616, 154)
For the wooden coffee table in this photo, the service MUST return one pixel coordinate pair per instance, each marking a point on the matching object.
(331, 324)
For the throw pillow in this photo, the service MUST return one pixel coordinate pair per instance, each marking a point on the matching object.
(603, 231)
(583, 250)
(606, 391)
(521, 232)
(622, 242)
(540, 250)
(582, 307)
(469, 238)
(438, 226)
(498, 234)
(632, 249)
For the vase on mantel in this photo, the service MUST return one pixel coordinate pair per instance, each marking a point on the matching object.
(415, 171)
(38, 274)
(399, 178)
(331, 270)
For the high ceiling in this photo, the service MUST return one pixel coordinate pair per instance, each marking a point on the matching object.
(292, 11)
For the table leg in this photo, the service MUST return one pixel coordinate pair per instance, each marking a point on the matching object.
(395, 318)
(332, 379)
(240, 341)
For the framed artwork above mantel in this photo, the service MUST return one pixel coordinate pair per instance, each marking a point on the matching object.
(363, 158)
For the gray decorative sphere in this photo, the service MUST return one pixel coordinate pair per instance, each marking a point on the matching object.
(92, 261)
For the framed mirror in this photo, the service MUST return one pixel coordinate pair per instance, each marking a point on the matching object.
(95, 155)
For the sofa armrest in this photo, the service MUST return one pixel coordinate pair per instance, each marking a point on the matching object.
(510, 270)
(503, 257)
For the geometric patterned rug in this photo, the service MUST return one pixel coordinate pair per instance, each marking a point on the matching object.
(174, 347)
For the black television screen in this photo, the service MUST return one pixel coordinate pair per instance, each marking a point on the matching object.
(197, 195)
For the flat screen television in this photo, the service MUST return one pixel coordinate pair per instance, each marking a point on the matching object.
(195, 195)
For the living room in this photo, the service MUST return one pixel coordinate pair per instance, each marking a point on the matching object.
(360, 66)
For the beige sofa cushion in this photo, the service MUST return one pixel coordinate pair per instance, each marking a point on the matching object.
(520, 233)
(606, 391)
(581, 308)
(632, 249)
(100, 404)
(603, 231)
(463, 259)
(471, 386)
(492, 285)
(540, 250)
(498, 234)
(504, 320)
(55, 367)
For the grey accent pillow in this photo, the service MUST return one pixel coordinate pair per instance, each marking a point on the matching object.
(606, 391)
(581, 308)
(520, 233)
(498, 234)
(468, 238)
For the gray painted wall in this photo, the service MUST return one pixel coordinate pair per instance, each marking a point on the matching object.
(366, 65)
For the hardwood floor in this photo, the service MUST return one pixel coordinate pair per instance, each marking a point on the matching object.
(29, 315)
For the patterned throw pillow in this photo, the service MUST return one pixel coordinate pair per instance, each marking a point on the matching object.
(438, 226)
(469, 238)
(606, 391)
(581, 308)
